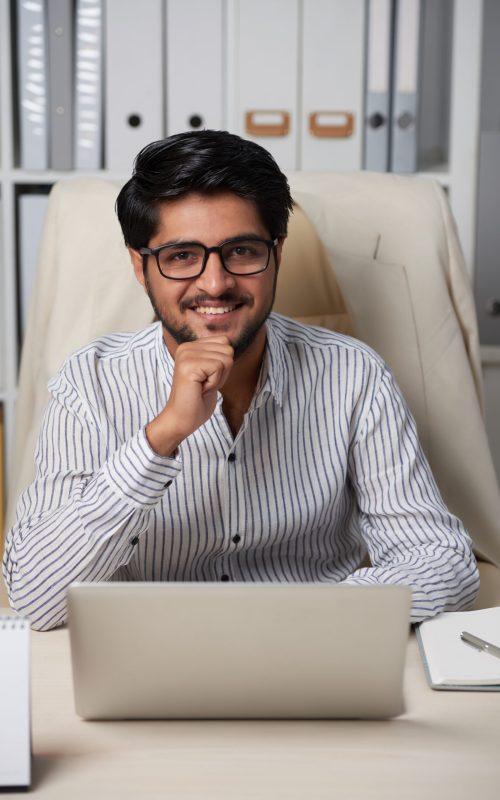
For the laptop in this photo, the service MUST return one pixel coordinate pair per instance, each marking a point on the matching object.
(238, 650)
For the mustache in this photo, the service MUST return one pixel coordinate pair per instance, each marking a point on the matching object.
(231, 298)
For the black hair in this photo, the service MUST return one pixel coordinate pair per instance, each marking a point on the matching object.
(205, 162)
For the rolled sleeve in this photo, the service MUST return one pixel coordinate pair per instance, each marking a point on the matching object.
(137, 474)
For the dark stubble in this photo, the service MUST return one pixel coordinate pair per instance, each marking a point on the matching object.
(183, 333)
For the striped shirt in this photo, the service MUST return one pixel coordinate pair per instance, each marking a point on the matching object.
(325, 469)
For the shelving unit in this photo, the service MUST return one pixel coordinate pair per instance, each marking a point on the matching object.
(459, 175)
(8, 288)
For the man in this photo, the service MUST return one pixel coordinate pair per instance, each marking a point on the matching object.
(224, 442)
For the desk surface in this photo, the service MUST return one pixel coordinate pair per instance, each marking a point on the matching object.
(446, 745)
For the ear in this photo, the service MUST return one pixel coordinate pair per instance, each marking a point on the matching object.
(278, 250)
(137, 263)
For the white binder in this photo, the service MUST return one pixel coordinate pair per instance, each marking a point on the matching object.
(435, 83)
(31, 210)
(134, 79)
(15, 725)
(405, 100)
(60, 28)
(194, 78)
(32, 86)
(332, 84)
(88, 84)
(378, 85)
(265, 61)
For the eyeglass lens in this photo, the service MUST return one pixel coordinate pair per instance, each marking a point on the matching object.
(240, 258)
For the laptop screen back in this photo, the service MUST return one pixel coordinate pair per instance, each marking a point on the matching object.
(252, 650)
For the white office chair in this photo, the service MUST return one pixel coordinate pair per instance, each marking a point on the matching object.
(391, 243)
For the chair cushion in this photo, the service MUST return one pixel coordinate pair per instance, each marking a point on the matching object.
(307, 287)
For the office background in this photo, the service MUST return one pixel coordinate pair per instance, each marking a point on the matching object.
(402, 85)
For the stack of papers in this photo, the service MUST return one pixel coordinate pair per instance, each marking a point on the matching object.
(449, 662)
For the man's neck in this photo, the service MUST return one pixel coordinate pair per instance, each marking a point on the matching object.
(241, 384)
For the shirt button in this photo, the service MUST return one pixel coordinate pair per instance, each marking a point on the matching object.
(237, 538)
(231, 457)
(167, 484)
(224, 578)
(134, 541)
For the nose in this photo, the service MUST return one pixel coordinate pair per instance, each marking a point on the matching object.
(215, 280)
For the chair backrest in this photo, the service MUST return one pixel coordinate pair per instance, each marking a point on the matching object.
(392, 245)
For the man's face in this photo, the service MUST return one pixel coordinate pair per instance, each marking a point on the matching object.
(191, 309)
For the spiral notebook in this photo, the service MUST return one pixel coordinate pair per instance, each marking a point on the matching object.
(15, 724)
(449, 662)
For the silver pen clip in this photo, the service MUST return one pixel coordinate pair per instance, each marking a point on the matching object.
(480, 644)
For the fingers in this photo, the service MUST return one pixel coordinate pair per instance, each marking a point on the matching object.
(200, 369)
(217, 372)
(207, 361)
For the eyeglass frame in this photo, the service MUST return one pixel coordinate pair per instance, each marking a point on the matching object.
(154, 251)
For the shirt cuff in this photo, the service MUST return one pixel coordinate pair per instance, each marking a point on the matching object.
(137, 474)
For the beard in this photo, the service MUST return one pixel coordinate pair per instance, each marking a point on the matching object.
(183, 333)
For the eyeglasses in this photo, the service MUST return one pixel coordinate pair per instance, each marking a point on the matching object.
(187, 260)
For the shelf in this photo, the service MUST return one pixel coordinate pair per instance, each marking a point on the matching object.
(48, 177)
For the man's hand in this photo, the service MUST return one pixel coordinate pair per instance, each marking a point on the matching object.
(201, 369)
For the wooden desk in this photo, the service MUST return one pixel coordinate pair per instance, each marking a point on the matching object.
(446, 745)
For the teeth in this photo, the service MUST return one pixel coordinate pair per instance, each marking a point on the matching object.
(213, 309)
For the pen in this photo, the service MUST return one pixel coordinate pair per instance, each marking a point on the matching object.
(480, 644)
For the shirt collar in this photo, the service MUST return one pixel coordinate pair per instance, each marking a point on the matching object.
(165, 360)
(273, 367)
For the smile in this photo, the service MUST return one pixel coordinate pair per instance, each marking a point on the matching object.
(208, 310)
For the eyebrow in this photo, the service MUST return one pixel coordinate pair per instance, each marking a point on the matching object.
(237, 238)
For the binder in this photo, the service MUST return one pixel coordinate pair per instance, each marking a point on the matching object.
(134, 79)
(378, 85)
(434, 83)
(486, 271)
(194, 79)
(60, 27)
(421, 84)
(15, 726)
(405, 100)
(486, 274)
(31, 211)
(332, 84)
(265, 57)
(32, 86)
(88, 84)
